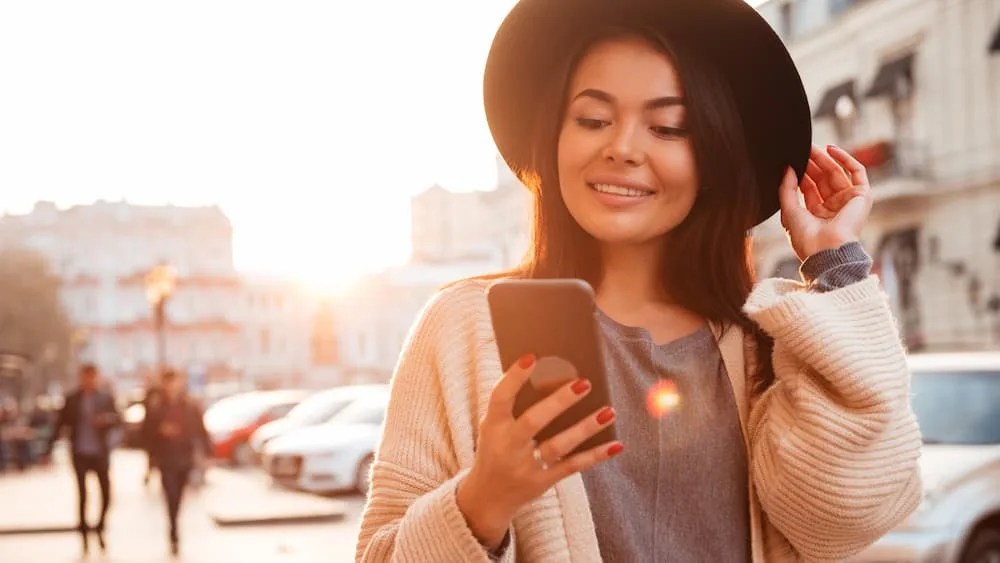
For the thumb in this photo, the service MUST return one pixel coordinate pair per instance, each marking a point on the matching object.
(788, 197)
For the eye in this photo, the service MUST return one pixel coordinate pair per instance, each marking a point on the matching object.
(668, 132)
(588, 123)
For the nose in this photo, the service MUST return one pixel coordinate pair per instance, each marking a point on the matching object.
(623, 147)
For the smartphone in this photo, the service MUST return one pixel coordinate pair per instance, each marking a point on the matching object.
(555, 319)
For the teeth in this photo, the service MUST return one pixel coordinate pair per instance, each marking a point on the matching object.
(620, 190)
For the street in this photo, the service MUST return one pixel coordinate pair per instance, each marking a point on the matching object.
(45, 498)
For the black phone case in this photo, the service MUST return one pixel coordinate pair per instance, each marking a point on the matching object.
(552, 318)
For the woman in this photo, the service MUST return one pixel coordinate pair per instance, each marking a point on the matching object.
(174, 429)
(654, 134)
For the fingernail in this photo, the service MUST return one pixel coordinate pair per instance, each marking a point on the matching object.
(606, 414)
(615, 449)
(526, 361)
(581, 386)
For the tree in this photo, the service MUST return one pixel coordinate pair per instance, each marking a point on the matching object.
(33, 323)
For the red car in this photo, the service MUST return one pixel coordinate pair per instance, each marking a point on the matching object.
(232, 420)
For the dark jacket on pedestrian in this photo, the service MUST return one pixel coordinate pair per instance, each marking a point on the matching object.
(173, 429)
(98, 412)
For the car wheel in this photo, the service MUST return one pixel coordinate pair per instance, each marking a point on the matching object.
(984, 547)
(242, 455)
(362, 477)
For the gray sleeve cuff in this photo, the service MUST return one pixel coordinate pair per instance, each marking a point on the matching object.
(836, 267)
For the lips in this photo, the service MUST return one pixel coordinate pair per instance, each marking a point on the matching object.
(620, 190)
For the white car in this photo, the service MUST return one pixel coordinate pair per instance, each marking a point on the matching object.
(334, 456)
(315, 409)
(956, 398)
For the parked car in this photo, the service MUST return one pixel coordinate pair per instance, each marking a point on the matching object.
(956, 398)
(232, 420)
(315, 409)
(334, 456)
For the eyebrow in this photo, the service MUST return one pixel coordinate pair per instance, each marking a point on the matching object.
(655, 103)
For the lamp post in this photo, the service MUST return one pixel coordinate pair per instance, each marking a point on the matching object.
(160, 284)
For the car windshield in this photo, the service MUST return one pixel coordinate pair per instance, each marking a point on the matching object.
(960, 407)
(364, 411)
(319, 408)
(235, 411)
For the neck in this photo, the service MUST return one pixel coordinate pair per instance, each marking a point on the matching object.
(631, 276)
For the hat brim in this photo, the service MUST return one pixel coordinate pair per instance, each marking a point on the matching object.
(537, 36)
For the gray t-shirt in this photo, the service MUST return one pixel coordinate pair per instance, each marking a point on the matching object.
(679, 490)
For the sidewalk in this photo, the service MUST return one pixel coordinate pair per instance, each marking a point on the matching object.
(43, 500)
(46, 497)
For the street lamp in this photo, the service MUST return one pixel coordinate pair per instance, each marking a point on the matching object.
(160, 284)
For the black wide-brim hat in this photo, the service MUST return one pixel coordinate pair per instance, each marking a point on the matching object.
(538, 36)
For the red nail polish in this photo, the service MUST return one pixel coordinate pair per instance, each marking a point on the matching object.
(615, 450)
(581, 386)
(526, 361)
(606, 414)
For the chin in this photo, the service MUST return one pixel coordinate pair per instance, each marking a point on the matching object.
(610, 234)
(627, 230)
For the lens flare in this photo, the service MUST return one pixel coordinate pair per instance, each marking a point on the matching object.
(663, 398)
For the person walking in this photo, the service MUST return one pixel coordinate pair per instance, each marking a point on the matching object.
(175, 429)
(90, 413)
(150, 402)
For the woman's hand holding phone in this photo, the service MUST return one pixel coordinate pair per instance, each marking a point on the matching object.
(510, 469)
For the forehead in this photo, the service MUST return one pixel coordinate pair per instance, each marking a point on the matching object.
(628, 68)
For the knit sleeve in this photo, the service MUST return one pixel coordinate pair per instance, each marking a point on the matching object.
(834, 442)
(412, 513)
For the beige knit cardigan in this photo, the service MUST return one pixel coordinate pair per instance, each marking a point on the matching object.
(832, 445)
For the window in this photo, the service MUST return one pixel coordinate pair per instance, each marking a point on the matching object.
(838, 6)
(265, 341)
(960, 407)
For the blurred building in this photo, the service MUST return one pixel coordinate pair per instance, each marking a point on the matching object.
(482, 225)
(276, 321)
(455, 236)
(912, 89)
(374, 318)
(103, 253)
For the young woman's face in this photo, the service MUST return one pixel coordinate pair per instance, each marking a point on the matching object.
(626, 165)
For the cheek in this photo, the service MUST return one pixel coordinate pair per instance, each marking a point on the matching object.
(676, 170)
(573, 152)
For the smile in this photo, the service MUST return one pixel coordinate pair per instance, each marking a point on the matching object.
(624, 191)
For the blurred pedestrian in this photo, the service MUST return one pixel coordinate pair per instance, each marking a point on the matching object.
(91, 414)
(176, 429)
(150, 402)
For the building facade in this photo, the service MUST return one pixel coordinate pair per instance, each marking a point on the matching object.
(276, 322)
(374, 318)
(455, 236)
(103, 252)
(491, 225)
(912, 89)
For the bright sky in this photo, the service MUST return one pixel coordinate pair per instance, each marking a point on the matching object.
(310, 122)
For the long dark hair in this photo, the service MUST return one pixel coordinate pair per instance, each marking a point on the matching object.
(707, 265)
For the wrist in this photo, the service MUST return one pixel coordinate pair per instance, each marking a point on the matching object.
(487, 519)
(831, 243)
